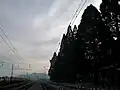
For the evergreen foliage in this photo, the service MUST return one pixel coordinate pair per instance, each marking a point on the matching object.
(90, 50)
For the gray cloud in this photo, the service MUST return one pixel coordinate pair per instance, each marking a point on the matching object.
(35, 27)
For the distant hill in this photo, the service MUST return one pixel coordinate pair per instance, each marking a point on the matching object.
(35, 76)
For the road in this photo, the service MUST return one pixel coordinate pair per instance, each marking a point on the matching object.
(48, 85)
(33, 85)
(40, 85)
(43, 85)
(36, 86)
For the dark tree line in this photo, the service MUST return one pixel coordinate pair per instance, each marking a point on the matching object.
(91, 50)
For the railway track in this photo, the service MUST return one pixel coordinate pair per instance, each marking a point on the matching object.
(16, 86)
(44, 85)
(24, 87)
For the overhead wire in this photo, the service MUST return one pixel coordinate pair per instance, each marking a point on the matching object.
(75, 16)
(76, 11)
(10, 45)
(79, 12)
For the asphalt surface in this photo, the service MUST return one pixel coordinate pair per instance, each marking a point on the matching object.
(48, 85)
(40, 85)
(43, 85)
(36, 86)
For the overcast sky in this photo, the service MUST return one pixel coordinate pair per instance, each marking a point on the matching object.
(35, 28)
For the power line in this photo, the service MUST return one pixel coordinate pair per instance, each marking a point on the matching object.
(10, 45)
(75, 16)
(18, 66)
(76, 11)
(79, 12)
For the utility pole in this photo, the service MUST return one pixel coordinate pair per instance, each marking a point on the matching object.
(45, 71)
(28, 77)
(27, 74)
(12, 70)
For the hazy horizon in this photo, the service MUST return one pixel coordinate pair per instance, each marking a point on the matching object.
(35, 28)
